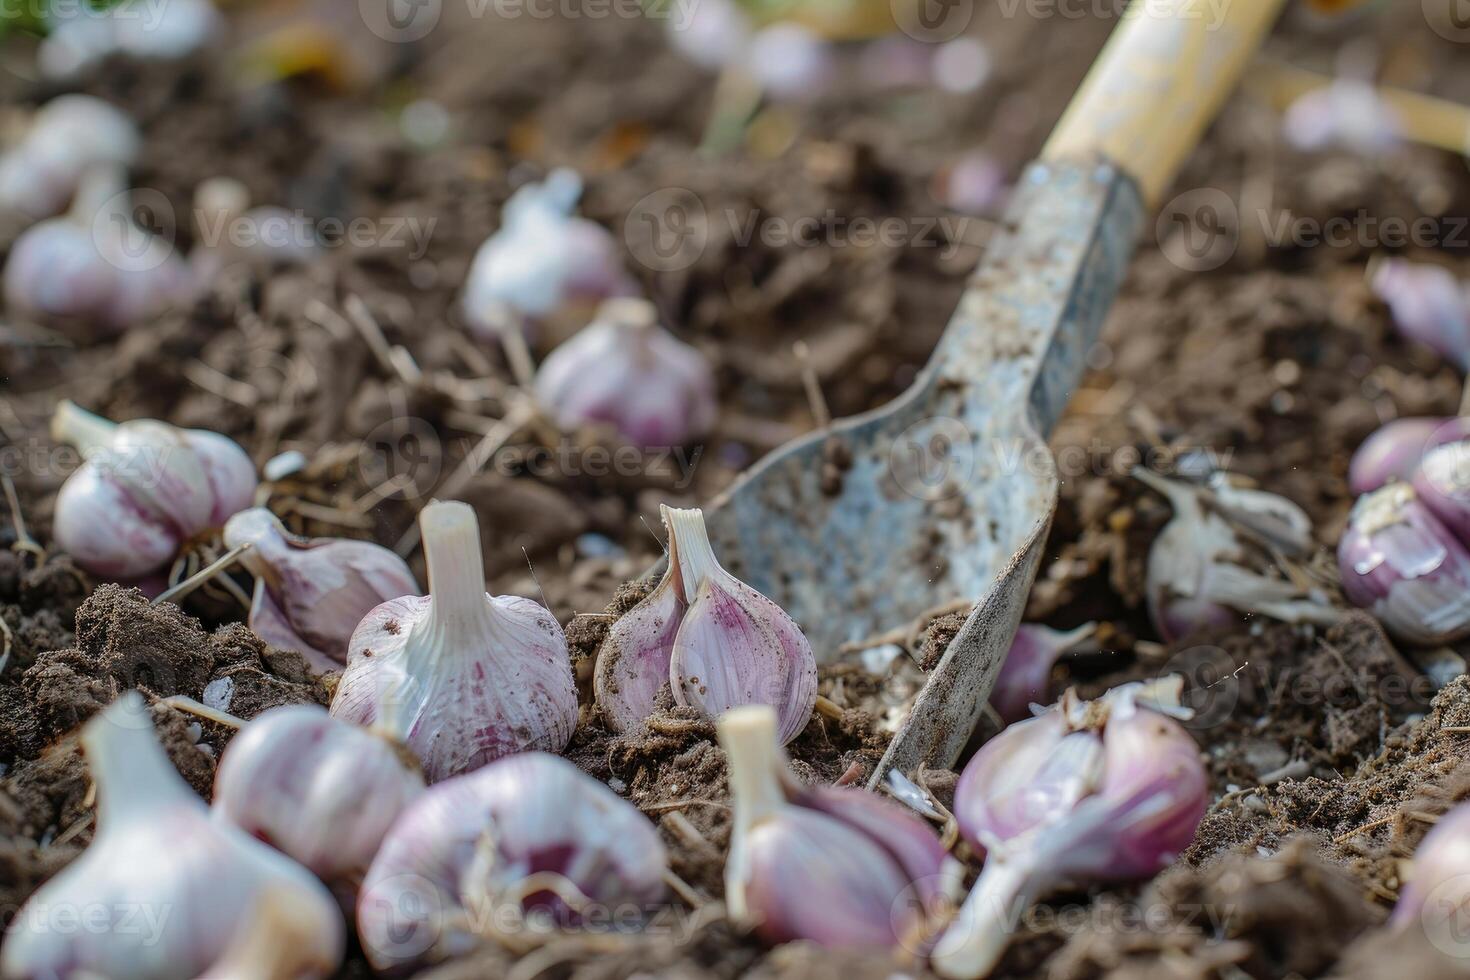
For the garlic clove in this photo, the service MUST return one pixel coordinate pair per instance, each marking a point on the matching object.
(626, 371)
(475, 854)
(841, 868)
(1348, 113)
(1025, 675)
(734, 646)
(1442, 483)
(1429, 305)
(791, 61)
(1398, 561)
(320, 790)
(1276, 520)
(1440, 871)
(633, 661)
(159, 484)
(275, 944)
(460, 677)
(311, 593)
(714, 35)
(1394, 451)
(172, 886)
(68, 136)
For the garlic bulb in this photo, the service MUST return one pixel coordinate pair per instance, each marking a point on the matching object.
(791, 62)
(1394, 451)
(713, 34)
(1110, 790)
(523, 840)
(68, 136)
(626, 371)
(310, 593)
(1429, 303)
(733, 645)
(145, 489)
(1025, 675)
(838, 867)
(462, 677)
(162, 889)
(633, 661)
(1439, 880)
(316, 788)
(1402, 564)
(94, 265)
(1443, 485)
(1349, 113)
(1198, 566)
(167, 32)
(542, 259)
(275, 943)
(230, 232)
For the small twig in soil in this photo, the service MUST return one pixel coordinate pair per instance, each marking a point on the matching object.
(814, 397)
(1455, 729)
(79, 825)
(216, 382)
(202, 576)
(379, 493)
(184, 703)
(680, 826)
(327, 515)
(23, 539)
(828, 708)
(676, 726)
(394, 360)
(1363, 829)
(854, 772)
(687, 893)
(680, 804)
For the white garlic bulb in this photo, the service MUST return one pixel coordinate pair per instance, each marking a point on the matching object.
(310, 593)
(316, 788)
(163, 890)
(145, 489)
(134, 28)
(460, 676)
(524, 840)
(68, 136)
(625, 370)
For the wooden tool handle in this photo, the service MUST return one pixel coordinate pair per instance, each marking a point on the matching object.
(1157, 84)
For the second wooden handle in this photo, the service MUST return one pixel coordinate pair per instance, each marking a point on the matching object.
(1159, 82)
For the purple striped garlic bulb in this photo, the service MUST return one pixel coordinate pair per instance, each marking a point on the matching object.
(1025, 676)
(95, 265)
(1429, 303)
(145, 489)
(1403, 565)
(543, 261)
(67, 137)
(310, 593)
(177, 887)
(626, 371)
(462, 677)
(717, 642)
(527, 844)
(1443, 485)
(1395, 450)
(1439, 882)
(838, 867)
(316, 788)
(1110, 790)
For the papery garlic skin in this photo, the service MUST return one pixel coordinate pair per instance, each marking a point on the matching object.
(542, 258)
(173, 885)
(1429, 303)
(841, 868)
(481, 848)
(310, 593)
(1395, 450)
(1025, 675)
(1107, 791)
(460, 676)
(1442, 484)
(316, 788)
(1398, 561)
(69, 135)
(734, 646)
(633, 661)
(626, 371)
(145, 489)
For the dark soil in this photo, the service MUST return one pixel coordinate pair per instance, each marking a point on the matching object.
(1327, 757)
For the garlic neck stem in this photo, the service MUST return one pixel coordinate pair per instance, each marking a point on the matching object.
(753, 754)
(976, 939)
(132, 773)
(689, 546)
(80, 428)
(456, 563)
